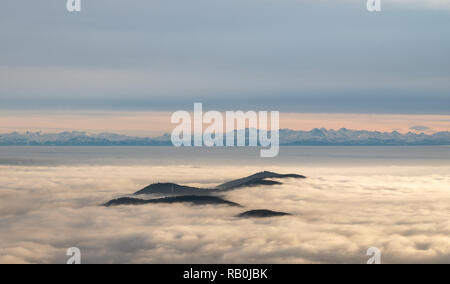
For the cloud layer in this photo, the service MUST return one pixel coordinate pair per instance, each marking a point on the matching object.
(339, 214)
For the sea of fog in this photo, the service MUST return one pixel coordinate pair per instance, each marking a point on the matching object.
(394, 198)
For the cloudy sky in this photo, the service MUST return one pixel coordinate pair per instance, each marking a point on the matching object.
(295, 56)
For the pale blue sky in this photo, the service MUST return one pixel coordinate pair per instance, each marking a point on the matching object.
(287, 55)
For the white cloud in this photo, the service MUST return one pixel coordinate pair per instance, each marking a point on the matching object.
(339, 213)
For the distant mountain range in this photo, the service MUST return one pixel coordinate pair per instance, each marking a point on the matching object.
(77, 138)
(315, 137)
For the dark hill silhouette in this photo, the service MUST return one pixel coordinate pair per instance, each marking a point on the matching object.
(259, 179)
(256, 179)
(193, 199)
(173, 189)
(262, 214)
(256, 182)
(175, 193)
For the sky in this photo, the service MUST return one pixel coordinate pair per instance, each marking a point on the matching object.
(324, 57)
